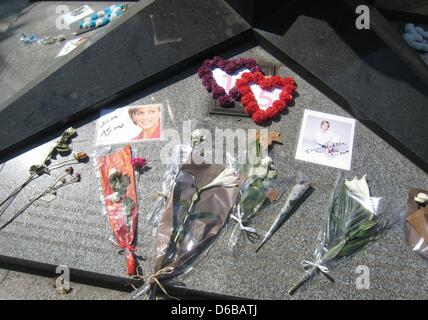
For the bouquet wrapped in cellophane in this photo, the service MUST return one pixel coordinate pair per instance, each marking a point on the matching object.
(350, 223)
(261, 188)
(196, 209)
(119, 198)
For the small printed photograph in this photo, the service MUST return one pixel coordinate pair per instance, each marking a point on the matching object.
(134, 123)
(326, 139)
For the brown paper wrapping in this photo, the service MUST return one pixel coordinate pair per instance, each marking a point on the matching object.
(417, 224)
(201, 232)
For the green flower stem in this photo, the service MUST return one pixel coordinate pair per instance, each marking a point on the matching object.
(328, 256)
(178, 234)
(11, 197)
(62, 164)
(18, 189)
(53, 187)
(8, 201)
(308, 274)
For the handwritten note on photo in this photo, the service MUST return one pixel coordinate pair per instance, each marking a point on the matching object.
(133, 123)
(326, 139)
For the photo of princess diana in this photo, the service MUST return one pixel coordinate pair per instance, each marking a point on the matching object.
(134, 123)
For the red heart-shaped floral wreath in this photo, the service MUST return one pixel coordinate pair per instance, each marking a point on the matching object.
(230, 67)
(288, 86)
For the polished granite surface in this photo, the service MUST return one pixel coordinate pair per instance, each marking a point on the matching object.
(116, 60)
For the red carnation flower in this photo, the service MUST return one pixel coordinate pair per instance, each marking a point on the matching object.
(247, 98)
(278, 104)
(252, 107)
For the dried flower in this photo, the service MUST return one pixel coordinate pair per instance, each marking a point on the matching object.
(69, 170)
(80, 156)
(78, 177)
(70, 132)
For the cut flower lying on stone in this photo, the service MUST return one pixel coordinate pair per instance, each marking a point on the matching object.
(62, 147)
(196, 209)
(350, 223)
(117, 186)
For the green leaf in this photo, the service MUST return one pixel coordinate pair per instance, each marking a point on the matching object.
(257, 184)
(195, 196)
(333, 252)
(185, 204)
(353, 246)
(202, 215)
(38, 169)
(62, 147)
(129, 204)
(251, 202)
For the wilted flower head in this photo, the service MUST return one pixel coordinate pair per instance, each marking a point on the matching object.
(69, 170)
(70, 132)
(80, 156)
(78, 177)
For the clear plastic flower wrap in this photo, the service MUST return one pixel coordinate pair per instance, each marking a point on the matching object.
(255, 196)
(351, 221)
(298, 193)
(261, 188)
(119, 199)
(200, 201)
(181, 153)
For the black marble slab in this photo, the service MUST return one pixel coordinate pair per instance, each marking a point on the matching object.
(152, 39)
(369, 73)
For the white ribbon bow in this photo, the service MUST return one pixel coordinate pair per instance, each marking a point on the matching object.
(238, 219)
(307, 264)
